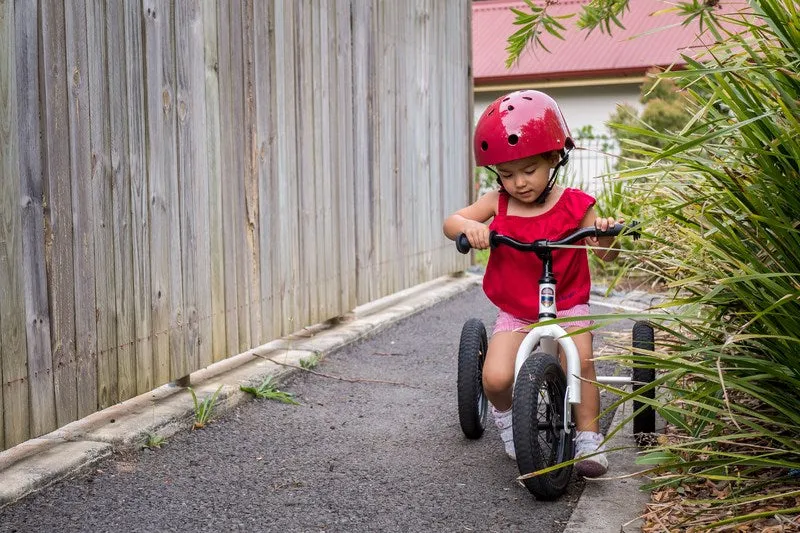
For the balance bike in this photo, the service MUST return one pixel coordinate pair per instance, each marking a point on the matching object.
(544, 431)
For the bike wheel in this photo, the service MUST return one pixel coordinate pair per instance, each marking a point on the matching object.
(472, 403)
(541, 439)
(644, 423)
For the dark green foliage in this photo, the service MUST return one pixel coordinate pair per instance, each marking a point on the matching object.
(719, 195)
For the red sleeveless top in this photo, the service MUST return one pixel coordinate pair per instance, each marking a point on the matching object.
(512, 277)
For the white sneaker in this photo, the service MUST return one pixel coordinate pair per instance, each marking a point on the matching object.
(503, 421)
(588, 443)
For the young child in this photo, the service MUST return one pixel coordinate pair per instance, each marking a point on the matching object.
(524, 136)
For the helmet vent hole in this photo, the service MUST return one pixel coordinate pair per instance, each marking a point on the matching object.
(527, 98)
(513, 139)
(511, 108)
(506, 99)
(484, 146)
(490, 113)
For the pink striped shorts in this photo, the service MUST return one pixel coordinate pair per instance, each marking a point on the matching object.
(508, 322)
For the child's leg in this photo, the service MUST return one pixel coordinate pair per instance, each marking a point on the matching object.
(498, 380)
(498, 368)
(587, 411)
(588, 437)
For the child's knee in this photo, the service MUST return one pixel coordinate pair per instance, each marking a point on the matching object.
(497, 381)
(587, 367)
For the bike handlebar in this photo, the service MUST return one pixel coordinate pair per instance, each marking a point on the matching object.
(463, 245)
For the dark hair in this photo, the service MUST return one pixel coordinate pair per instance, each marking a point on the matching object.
(547, 155)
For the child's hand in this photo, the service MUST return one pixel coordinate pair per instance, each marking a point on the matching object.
(478, 234)
(603, 223)
(602, 244)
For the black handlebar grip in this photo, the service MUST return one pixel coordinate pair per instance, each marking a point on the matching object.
(613, 231)
(633, 230)
(462, 244)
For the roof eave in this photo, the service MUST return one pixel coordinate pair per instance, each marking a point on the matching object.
(578, 78)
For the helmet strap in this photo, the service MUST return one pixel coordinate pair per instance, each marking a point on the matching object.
(496, 175)
(552, 181)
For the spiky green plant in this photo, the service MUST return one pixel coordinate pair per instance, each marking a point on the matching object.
(267, 390)
(724, 209)
(663, 109)
(203, 409)
(722, 205)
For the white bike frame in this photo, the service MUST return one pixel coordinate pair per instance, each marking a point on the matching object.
(549, 337)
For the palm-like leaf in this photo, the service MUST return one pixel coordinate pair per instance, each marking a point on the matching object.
(723, 206)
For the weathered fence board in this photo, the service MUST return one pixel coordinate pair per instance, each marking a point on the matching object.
(8, 154)
(238, 155)
(140, 196)
(185, 180)
(252, 203)
(319, 199)
(13, 346)
(158, 102)
(102, 222)
(289, 173)
(178, 366)
(229, 177)
(213, 164)
(121, 207)
(82, 206)
(58, 210)
(193, 180)
(265, 154)
(40, 355)
(363, 146)
(304, 144)
(237, 177)
(344, 148)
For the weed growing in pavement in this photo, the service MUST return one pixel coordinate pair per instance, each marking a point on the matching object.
(154, 441)
(310, 363)
(203, 410)
(268, 391)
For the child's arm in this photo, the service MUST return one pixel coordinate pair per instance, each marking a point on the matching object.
(601, 245)
(471, 221)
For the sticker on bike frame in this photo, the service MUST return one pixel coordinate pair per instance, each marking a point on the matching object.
(548, 297)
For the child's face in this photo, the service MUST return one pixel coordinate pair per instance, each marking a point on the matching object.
(526, 178)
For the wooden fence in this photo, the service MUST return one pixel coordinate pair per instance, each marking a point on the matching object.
(184, 180)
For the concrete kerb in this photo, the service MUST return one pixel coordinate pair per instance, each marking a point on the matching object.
(42, 462)
(169, 409)
(613, 504)
(633, 300)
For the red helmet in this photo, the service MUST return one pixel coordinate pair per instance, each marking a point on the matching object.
(518, 125)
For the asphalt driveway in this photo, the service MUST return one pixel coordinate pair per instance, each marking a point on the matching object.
(374, 446)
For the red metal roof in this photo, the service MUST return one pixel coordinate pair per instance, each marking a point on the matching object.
(648, 40)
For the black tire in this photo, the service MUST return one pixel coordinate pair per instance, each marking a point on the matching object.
(472, 403)
(540, 438)
(644, 423)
